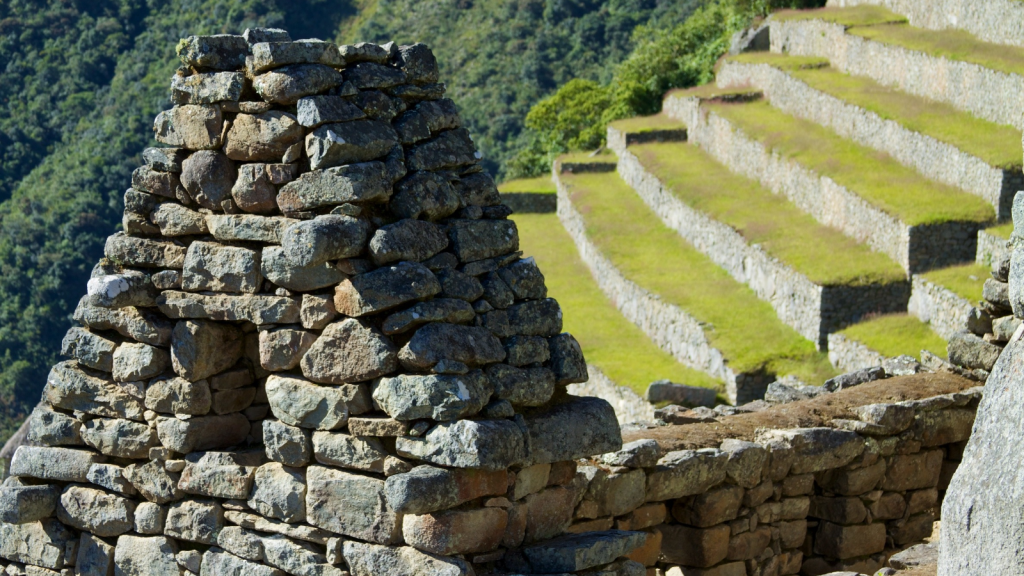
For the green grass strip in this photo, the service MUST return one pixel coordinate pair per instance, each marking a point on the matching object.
(874, 176)
(824, 255)
(1001, 231)
(711, 91)
(647, 252)
(609, 341)
(641, 124)
(538, 185)
(878, 24)
(965, 280)
(604, 155)
(863, 15)
(996, 144)
(896, 334)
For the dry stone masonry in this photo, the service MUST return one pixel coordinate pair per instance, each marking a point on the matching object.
(313, 349)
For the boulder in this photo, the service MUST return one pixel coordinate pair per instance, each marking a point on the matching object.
(212, 267)
(196, 521)
(91, 350)
(316, 110)
(218, 52)
(207, 88)
(349, 350)
(301, 403)
(327, 237)
(96, 511)
(573, 429)
(262, 137)
(414, 240)
(72, 387)
(969, 351)
(175, 395)
(348, 451)
(279, 492)
(385, 288)
(481, 444)
(119, 438)
(208, 176)
(349, 143)
(350, 504)
(360, 182)
(449, 149)
(192, 126)
(442, 398)
(219, 474)
(133, 361)
(255, 190)
(46, 544)
(435, 342)
(288, 84)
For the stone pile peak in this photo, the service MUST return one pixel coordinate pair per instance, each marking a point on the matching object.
(314, 347)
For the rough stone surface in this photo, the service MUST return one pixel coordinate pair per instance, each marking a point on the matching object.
(301, 403)
(137, 556)
(350, 504)
(371, 559)
(349, 351)
(385, 288)
(349, 143)
(441, 398)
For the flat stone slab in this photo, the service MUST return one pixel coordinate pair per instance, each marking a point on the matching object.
(579, 552)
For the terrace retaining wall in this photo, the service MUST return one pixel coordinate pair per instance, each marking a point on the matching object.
(629, 406)
(848, 355)
(940, 161)
(989, 94)
(943, 309)
(990, 248)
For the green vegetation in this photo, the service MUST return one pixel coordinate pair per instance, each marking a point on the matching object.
(641, 124)
(1002, 231)
(538, 185)
(885, 183)
(965, 280)
(609, 341)
(744, 328)
(824, 255)
(895, 334)
(878, 24)
(996, 144)
(862, 15)
(574, 118)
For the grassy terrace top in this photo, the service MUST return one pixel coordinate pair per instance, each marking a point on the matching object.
(822, 254)
(875, 177)
(895, 334)
(642, 124)
(538, 185)
(744, 328)
(609, 341)
(966, 280)
(604, 156)
(996, 144)
(1002, 231)
(712, 91)
(878, 24)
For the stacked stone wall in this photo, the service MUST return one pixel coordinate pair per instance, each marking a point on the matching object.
(943, 309)
(529, 202)
(939, 160)
(668, 326)
(986, 93)
(991, 248)
(811, 501)
(995, 21)
(313, 350)
(848, 355)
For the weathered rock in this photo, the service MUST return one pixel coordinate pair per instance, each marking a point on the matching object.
(262, 137)
(385, 288)
(480, 239)
(135, 361)
(297, 558)
(255, 190)
(522, 386)
(154, 482)
(667, 391)
(279, 492)
(349, 143)
(203, 433)
(358, 453)
(436, 310)
(288, 84)
(470, 345)
(140, 325)
(747, 461)
(21, 504)
(844, 542)
(300, 403)
(969, 351)
(207, 88)
(428, 489)
(316, 110)
(427, 195)
(449, 149)
(176, 220)
(703, 547)
(816, 449)
(95, 557)
(317, 311)
(52, 428)
(426, 119)
(154, 556)
(200, 349)
(192, 126)
(573, 429)
(164, 159)
(536, 318)
(219, 474)
(685, 473)
(172, 395)
(89, 349)
(349, 351)
(581, 551)
(286, 444)
(282, 348)
(636, 454)
(370, 560)
(248, 227)
(361, 182)
(350, 504)
(370, 75)
(217, 562)
(256, 309)
(218, 52)
(160, 183)
(47, 544)
(442, 398)
(111, 477)
(212, 267)
(856, 378)
(119, 438)
(95, 511)
(481, 444)
(241, 542)
(567, 360)
(71, 387)
(195, 521)
(456, 531)
(408, 239)
(328, 237)
(281, 270)
(143, 252)
(208, 176)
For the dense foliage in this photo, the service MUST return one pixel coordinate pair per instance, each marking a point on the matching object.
(575, 117)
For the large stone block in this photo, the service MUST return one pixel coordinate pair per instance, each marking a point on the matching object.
(326, 237)
(360, 182)
(262, 137)
(913, 471)
(215, 268)
(436, 342)
(456, 532)
(21, 504)
(348, 451)
(817, 449)
(217, 562)
(438, 397)
(385, 288)
(482, 444)
(288, 84)
(192, 126)
(195, 521)
(715, 506)
(208, 176)
(135, 323)
(256, 309)
(426, 195)
(289, 445)
(217, 52)
(95, 557)
(349, 351)
(154, 482)
(473, 240)
(279, 269)
(843, 542)
(372, 560)
(548, 513)
(96, 511)
(46, 543)
(686, 472)
(143, 252)
(699, 547)
(201, 349)
(203, 432)
(61, 464)
(279, 492)
(91, 350)
(301, 403)
(574, 429)
(582, 551)
(283, 348)
(352, 505)
(349, 143)
(427, 489)
(176, 395)
(137, 556)
(71, 387)
(119, 438)
(219, 474)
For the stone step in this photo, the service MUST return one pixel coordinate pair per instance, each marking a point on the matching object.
(995, 21)
(944, 298)
(934, 138)
(816, 279)
(874, 340)
(622, 360)
(919, 223)
(952, 66)
(686, 304)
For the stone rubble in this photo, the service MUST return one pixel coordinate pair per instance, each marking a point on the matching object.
(281, 367)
